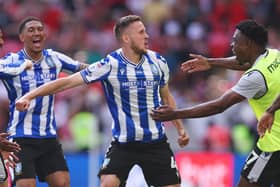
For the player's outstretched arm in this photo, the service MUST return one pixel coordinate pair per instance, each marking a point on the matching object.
(49, 88)
(216, 106)
(201, 63)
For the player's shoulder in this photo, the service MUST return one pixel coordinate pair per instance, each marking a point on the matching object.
(152, 53)
(156, 56)
(114, 56)
(51, 52)
(10, 55)
(13, 57)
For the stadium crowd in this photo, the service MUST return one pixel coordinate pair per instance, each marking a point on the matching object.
(83, 29)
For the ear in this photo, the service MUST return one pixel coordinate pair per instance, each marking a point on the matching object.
(125, 38)
(21, 38)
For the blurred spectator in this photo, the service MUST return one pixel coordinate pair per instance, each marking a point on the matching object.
(84, 131)
(243, 140)
(218, 138)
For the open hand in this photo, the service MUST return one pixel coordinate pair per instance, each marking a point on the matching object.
(163, 113)
(6, 145)
(265, 123)
(198, 63)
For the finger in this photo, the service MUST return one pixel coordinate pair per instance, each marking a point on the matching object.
(4, 135)
(162, 107)
(155, 117)
(186, 68)
(159, 109)
(188, 63)
(11, 147)
(194, 55)
(18, 105)
(261, 131)
(182, 143)
(15, 148)
(269, 127)
(14, 157)
(11, 163)
(8, 164)
(25, 106)
(192, 71)
(21, 106)
(155, 111)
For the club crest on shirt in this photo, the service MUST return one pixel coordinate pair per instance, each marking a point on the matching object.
(122, 71)
(154, 69)
(50, 62)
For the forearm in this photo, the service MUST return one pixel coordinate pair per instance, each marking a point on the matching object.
(48, 89)
(229, 63)
(275, 106)
(201, 110)
(177, 123)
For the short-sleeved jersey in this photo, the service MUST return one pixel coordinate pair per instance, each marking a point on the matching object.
(131, 92)
(262, 84)
(39, 120)
(252, 85)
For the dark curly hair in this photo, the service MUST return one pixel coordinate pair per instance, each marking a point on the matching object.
(254, 31)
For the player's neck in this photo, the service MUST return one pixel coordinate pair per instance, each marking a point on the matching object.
(131, 56)
(34, 56)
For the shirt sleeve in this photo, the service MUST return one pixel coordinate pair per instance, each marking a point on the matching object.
(251, 85)
(69, 65)
(10, 68)
(164, 69)
(97, 71)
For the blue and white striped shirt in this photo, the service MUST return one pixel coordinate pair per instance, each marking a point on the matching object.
(39, 120)
(131, 92)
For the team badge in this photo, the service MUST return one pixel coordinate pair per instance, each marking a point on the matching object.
(122, 71)
(50, 62)
(154, 69)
